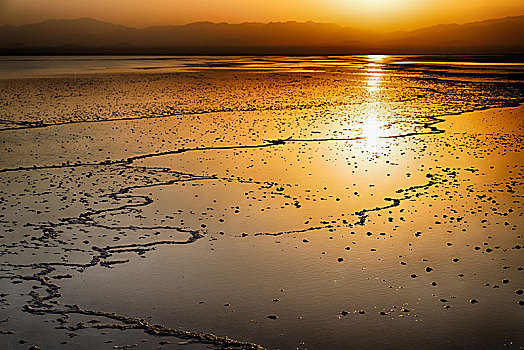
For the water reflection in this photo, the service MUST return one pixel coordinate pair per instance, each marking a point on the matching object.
(376, 58)
(373, 83)
(374, 70)
(272, 207)
(371, 130)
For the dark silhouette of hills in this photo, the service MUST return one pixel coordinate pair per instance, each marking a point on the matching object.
(90, 36)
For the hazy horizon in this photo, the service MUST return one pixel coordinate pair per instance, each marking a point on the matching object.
(381, 15)
(342, 25)
(91, 36)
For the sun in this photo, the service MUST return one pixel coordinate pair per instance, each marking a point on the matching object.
(364, 3)
(376, 8)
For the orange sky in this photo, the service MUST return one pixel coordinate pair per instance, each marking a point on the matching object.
(378, 14)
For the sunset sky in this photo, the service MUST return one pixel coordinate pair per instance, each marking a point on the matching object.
(376, 14)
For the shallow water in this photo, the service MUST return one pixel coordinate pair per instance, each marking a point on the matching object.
(282, 202)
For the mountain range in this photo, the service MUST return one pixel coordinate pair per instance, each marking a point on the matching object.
(90, 36)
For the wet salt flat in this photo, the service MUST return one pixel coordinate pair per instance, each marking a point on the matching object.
(262, 202)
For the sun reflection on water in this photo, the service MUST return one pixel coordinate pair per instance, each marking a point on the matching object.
(376, 58)
(371, 129)
(374, 73)
(376, 130)
(373, 82)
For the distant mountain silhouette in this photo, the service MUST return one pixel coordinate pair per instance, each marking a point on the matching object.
(86, 36)
(494, 34)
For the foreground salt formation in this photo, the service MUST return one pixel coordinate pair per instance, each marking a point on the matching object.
(288, 209)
